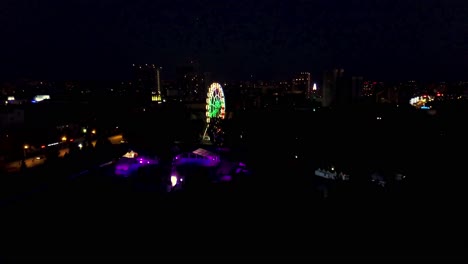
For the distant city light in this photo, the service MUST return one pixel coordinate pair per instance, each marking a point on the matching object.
(39, 98)
(420, 101)
(314, 88)
(10, 98)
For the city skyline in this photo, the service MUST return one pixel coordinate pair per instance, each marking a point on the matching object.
(385, 40)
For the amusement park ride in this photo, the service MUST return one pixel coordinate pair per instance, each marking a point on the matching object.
(215, 112)
(181, 176)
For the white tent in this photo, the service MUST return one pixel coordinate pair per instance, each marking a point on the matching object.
(205, 153)
(131, 154)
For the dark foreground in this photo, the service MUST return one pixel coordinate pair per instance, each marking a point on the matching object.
(98, 216)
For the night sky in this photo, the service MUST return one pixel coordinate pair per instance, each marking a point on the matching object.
(386, 40)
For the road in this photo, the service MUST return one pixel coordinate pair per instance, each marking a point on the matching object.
(15, 166)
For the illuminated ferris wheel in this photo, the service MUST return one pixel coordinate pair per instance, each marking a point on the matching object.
(215, 107)
(215, 104)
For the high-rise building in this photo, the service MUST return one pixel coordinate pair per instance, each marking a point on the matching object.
(190, 82)
(380, 92)
(301, 84)
(368, 89)
(357, 83)
(332, 82)
(147, 82)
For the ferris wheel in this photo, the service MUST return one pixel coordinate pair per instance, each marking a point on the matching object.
(215, 105)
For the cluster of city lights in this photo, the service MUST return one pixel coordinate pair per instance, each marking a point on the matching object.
(421, 101)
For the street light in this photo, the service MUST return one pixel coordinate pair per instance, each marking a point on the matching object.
(25, 147)
(64, 138)
(93, 131)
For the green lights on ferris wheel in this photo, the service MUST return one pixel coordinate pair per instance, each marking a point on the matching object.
(215, 103)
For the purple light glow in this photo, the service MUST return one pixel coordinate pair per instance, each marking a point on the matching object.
(141, 161)
(226, 178)
(122, 170)
(122, 167)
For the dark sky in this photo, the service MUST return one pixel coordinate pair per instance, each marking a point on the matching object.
(388, 40)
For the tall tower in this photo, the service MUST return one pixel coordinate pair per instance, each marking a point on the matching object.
(156, 93)
(147, 82)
